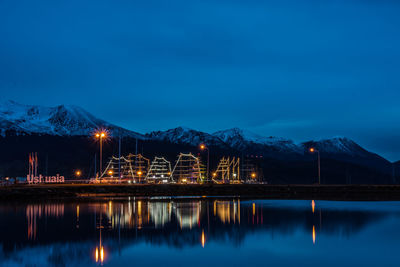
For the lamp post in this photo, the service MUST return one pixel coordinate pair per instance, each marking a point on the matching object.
(313, 150)
(204, 147)
(101, 135)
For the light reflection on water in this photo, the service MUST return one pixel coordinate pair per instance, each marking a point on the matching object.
(199, 231)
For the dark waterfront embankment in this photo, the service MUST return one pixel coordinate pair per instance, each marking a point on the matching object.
(317, 192)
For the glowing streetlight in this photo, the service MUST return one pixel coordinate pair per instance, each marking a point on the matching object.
(102, 134)
(110, 172)
(314, 150)
(253, 175)
(204, 147)
(78, 173)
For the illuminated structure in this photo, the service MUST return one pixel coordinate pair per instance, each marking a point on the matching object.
(251, 172)
(110, 174)
(140, 166)
(133, 169)
(159, 171)
(33, 164)
(187, 169)
(228, 171)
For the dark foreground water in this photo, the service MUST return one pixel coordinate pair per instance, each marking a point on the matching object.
(200, 232)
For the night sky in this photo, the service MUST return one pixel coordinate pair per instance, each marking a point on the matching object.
(297, 69)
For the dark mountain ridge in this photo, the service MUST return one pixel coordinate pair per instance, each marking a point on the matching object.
(63, 138)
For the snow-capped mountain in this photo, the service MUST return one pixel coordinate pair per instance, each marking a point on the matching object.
(182, 135)
(65, 120)
(337, 145)
(60, 120)
(40, 129)
(243, 140)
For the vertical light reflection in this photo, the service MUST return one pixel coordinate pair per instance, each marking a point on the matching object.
(203, 238)
(313, 234)
(313, 206)
(97, 254)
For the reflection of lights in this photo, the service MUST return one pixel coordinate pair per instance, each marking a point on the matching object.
(215, 207)
(226, 212)
(254, 209)
(184, 180)
(77, 216)
(99, 254)
(203, 239)
(313, 234)
(313, 205)
(110, 207)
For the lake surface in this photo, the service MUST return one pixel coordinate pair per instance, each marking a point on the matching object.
(199, 232)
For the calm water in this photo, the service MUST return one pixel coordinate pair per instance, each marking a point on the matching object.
(200, 232)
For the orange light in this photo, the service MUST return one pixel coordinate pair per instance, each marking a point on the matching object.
(313, 234)
(253, 175)
(97, 254)
(214, 174)
(101, 134)
(202, 147)
(313, 206)
(139, 173)
(78, 173)
(203, 239)
(110, 172)
(312, 150)
(102, 254)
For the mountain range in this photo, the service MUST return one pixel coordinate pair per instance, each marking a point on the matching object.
(21, 123)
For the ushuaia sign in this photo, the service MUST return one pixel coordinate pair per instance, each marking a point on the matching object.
(31, 179)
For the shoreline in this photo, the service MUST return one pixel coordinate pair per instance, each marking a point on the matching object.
(245, 191)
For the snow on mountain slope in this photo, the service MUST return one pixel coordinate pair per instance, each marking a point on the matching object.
(338, 145)
(243, 139)
(182, 135)
(60, 120)
(72, 121)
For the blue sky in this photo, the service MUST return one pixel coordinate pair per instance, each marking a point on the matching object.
(297, 69)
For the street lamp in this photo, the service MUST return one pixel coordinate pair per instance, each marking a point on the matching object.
(78, 173)
(102, 134)
(314, 150)
(204, 147)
